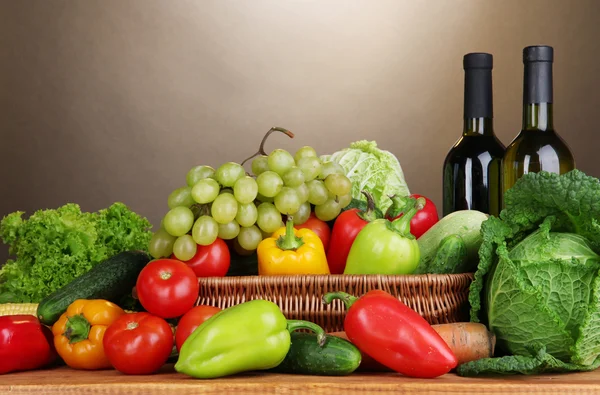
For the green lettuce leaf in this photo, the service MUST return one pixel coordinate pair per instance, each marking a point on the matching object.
(552, 301)
(54, 246)
(373, 170)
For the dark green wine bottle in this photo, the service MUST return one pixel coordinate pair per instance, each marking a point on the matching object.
(472, 168)
(537, 147)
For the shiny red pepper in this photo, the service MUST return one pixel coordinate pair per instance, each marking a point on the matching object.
(394, 335)
(421, 221)
(346, 228)
(25, 344)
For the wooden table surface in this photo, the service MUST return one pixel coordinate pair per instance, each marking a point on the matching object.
(63, 380)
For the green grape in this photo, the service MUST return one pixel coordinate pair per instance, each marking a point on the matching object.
(269, 183)
(330, 167)
(178, 221)
(262, 198)
(224, 208)
(293, 177)
(266, 235)
(199, 173)
(344, 200)
(185, 248)
(311, 167)
(180, 197)
(249, 238)
(229, 230)
(205, 191)
(301, 216)
(228, 173)
(247, 214)
(161, 244)
(328, 211)
(226, 190)
(205, 230)
(302, 191)
(269, 218)
(260, 164)
(317, 192)
(280, 161)
(338, 184)
(245, 189)
(305, 152)
(287, 201)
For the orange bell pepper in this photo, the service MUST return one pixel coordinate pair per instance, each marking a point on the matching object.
(79, 332)
(292, 251)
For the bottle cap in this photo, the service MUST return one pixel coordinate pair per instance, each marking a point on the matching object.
(478, 60)
(538, 53)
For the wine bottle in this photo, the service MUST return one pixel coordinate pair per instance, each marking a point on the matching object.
(538, 146)
(472, 168)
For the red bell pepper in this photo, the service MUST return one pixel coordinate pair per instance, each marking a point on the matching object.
(345, 229)
(394, 335)
(25, 344)
(421, 221)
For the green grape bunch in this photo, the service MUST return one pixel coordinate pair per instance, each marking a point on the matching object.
(231, 204)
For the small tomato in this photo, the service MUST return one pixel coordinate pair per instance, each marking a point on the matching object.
(192, 320)
(319, 227)
(138, 343)
(167, 288)
(211, 261)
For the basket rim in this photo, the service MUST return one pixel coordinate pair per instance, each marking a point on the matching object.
(342, 277)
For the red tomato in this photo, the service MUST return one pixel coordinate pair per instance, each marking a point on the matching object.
(210, 261)
(167, 288)
(138, 343)
(319, 227)
(423, 219)
(192, 320)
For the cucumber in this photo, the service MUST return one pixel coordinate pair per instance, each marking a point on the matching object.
(338, 357)
(463, 223)
(451, 257)
(110, 279)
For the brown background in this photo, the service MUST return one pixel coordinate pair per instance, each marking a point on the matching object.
(106, 100)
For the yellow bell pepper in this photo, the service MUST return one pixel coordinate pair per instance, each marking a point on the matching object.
(79, 332)
(292, 251)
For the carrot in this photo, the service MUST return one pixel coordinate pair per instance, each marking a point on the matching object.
(468, 340)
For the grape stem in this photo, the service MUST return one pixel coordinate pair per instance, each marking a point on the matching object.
(289, 241)
(261, 148)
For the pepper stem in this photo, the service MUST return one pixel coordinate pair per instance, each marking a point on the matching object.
(294, 325)
(77, 328)
(369, 214)
(399, 205)
(289, 241)
(261, 148)
(343, 296)
(402, 224)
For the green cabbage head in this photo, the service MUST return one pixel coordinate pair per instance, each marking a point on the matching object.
(537, 286)
(373, 170)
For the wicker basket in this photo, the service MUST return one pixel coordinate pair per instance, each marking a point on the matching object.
(440, 298)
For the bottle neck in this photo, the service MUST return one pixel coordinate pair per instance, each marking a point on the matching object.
(538, 116)
(478, 126)
(537, 96)
(478, 105)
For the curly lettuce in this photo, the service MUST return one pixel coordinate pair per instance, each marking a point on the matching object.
(373, 170)
(54, 246)
(537, 286)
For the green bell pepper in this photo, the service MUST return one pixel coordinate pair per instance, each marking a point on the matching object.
(254, 335)
(384, 247)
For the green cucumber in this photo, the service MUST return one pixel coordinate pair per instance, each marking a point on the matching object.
(110, 279)
(337, 357)
(451, 257)
(463, 223)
